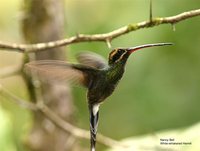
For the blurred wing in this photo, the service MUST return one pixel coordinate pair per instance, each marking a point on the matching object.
(92, 60)
(59, 71)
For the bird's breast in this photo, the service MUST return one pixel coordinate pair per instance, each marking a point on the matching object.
(100, 89)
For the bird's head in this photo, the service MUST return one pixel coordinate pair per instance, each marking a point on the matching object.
(120, 55)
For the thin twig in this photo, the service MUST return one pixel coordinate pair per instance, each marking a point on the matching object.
(17, 100)
(80, 133)
(150, 12)
(100, 37)
(67, 127)
(75, 131)
(9, 71)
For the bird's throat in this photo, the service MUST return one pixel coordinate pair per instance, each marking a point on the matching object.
(115, 72)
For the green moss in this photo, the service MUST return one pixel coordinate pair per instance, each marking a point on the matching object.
(155, 22)
(132, 27)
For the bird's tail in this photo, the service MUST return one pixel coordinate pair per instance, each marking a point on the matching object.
(94, 117)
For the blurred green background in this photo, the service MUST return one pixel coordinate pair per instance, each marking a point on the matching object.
(161, 86)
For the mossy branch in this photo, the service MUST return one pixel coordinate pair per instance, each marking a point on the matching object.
(105, 37)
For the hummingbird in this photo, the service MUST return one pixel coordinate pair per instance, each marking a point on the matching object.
(93, 72)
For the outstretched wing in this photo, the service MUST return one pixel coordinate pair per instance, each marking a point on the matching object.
(92, 59)
(60, 71)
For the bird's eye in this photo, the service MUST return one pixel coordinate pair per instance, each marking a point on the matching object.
(120, 51)
(116, 55)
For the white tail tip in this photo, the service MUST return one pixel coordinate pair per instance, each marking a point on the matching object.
(93, 149)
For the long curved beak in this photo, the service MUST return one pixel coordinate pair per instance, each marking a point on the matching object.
(133, 49)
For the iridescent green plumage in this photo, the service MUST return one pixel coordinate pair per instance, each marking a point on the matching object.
(94, 73)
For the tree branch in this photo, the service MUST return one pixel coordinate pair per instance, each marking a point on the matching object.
(17, 100)
(9, 71)
(67, 127)
(105, 37)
